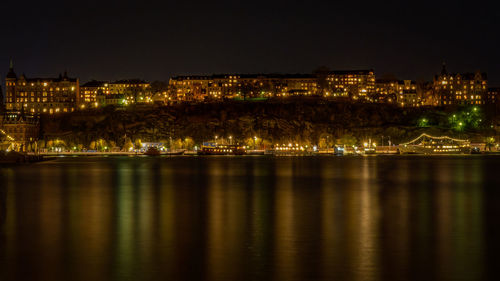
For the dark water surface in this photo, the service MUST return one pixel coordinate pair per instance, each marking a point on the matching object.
(251, 218)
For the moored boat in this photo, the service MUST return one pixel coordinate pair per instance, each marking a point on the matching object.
(426, 144)
(223, 149)
(293, 150)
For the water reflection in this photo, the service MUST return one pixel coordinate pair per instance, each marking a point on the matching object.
(367, 218)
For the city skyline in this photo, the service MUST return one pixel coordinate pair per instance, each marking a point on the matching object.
(67, 94)
(249, 140)
(158, 41)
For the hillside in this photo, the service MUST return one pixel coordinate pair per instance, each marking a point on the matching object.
(302, 120)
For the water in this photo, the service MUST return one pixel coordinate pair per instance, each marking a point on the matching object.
(251, 218)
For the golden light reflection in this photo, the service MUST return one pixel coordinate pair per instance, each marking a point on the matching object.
(365, 220)
(125, 221)
(355, 218)
(284, 239)
(51, 216)
(226, 223)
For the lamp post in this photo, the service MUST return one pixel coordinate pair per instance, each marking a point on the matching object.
(255, 142)
(230, 140)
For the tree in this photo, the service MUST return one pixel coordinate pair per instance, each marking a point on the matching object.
(348, 140)
(489, 143)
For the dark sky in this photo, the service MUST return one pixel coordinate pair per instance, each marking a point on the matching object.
(132, 39)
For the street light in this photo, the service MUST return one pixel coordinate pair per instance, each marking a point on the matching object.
(230, 139)
(255, 142)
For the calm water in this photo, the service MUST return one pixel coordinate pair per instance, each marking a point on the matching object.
(251, 218)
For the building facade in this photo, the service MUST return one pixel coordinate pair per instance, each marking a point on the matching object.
(133, 90)
(386, 91)
(226, 86)
(41, 95)
(191, 88)
(461, 89)
(493, 96)
(22, 130)
(89, 92)
(353, 83)
(407, 94)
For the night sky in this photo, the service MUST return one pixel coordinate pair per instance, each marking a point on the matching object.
(125, 39)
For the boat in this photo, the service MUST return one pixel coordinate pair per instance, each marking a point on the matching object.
(221, 149)
(152, 151)
(427, 144)
(294, 150)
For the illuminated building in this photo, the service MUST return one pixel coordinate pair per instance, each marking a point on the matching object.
(353, 83)
(407, 93)
(190, 88)
(403, 92)
(220, 86)
(41, 95)
(90, 90)
(113, 99)
(298, 85)
(427, 94)
(492, 96)
(386, 86)
(22, 130)
(461, 89)
(386, 90)
(133, 90)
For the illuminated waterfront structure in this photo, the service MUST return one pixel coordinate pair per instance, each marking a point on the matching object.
(461, 89)
(22, 130)
(427, 144)
(41, 95)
